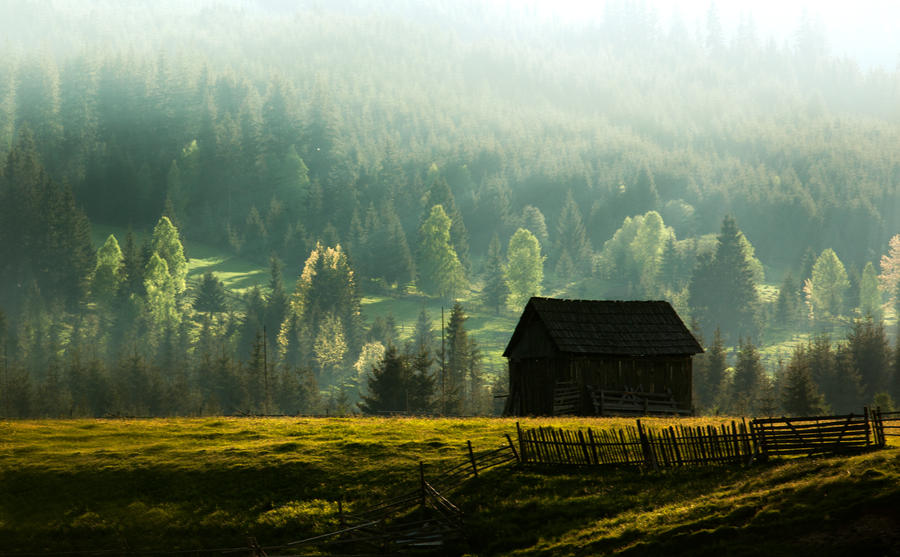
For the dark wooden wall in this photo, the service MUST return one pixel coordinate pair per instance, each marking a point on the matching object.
(532, 380)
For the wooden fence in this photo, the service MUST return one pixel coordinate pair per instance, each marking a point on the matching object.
(421, 518)
(638, 446)
(818, 434)
(890, 423)
(734, 443)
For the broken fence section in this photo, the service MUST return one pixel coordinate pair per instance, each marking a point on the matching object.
(422, 518)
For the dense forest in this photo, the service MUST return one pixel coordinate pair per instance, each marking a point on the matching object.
(461, 151)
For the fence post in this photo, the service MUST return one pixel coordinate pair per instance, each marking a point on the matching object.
(472, 458)
(422, 482)
(513, 447)
(878, 427)
(649, 457)
(521, 443)
(254, 547)
(868, 426)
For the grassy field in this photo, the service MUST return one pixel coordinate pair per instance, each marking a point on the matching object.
(187, 484)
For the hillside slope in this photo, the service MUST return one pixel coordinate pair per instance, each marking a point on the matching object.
(163, 485)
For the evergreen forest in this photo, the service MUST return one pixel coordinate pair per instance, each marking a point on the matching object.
(455, 154)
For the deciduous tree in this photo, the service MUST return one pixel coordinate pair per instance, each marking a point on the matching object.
(524, 268)
(826, 288)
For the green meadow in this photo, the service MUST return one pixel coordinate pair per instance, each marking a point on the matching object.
(201, 483)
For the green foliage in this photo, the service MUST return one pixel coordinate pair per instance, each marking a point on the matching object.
(330, 347)
(827, 286)
(533, 221)
(387, 384)
(800, 396)
(749, 380)
(788, 304)
(327, 287)
(160, 306)
(109, 272)
(496, 289)
(871, 355)
(637, 253)
(455, 363)
(572, 246)
(524, 268)
(440, 272)
(870, 299)
(210, 295)
(836, 375)
(167, 245)
(710, 368)
(722, 292)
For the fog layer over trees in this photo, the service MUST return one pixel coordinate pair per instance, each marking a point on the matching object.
(452, 151)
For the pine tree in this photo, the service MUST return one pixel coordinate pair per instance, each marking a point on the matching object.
(167, 245)
(871, 355)
(456, 362)
(439, 271)
(277, 302)
(890, 271)
(787, 306)
(397, 261)
(748, 379)
(533, 220)
(328, 285)
(420, 397)
(387, 385)
(255, 242)
(826, 288)
(133, 265)
(869, 295)
(800, 396)
(252, 323)
(210, 296)
(108, 273)
(571, 238)
(495, 290)
(669, 275)
(161, 310)
(330, 348)
(711, 382)
(423, 335)
(440, 194)
(722, 292)
(524, 268)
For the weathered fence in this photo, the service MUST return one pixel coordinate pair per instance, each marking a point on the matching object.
(890, 423)
(638, 445)
(818, 434)
(734, 443)
(420, 518)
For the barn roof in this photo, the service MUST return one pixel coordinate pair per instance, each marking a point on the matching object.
(628, 328)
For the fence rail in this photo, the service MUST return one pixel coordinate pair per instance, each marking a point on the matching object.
(891, 423)
(424, 517)
(638, 446)
(734, 443)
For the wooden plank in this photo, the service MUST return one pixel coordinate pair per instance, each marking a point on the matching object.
(472, 458)
(595, 459)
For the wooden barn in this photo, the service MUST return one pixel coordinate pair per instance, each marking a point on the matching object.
(597, 357)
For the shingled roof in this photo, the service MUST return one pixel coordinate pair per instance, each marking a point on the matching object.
(624, 328)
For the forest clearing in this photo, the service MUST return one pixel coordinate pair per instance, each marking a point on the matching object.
(202, 483)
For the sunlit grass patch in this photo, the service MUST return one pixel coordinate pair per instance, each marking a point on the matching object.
(208, 481)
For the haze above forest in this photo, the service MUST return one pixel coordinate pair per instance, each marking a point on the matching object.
(404, 145)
